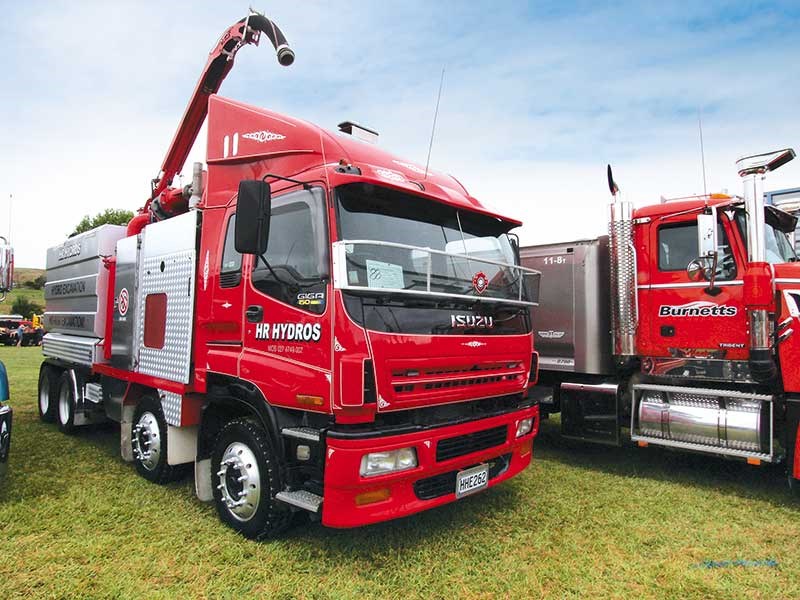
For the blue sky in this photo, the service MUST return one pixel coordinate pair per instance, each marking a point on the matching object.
(537, 98)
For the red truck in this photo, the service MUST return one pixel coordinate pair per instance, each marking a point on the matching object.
(677, 329)
(316, 325)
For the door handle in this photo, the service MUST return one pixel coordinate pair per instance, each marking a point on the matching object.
(254, 313)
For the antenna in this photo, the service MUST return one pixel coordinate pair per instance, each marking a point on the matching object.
(433, 129)
(702, 152)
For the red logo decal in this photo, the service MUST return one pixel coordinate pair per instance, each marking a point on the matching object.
(480, 282)
(122, 302)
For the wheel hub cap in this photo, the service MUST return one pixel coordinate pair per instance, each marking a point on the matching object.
(239, 481)
(146, 441)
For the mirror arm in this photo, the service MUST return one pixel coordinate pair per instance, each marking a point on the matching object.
(305, 184)
(713, 290)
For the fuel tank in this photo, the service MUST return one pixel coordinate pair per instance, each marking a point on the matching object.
(717, 421)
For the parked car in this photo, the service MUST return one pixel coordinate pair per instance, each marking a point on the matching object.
(8, 329)
(5, 421)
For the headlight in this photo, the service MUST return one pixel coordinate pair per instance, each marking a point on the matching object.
(378, 463)
(524, 427)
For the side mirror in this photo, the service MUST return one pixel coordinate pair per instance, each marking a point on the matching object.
(696, 271)
(513, 238)
(707, 234)
(253, 211)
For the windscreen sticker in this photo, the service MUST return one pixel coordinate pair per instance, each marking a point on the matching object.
(384, 275)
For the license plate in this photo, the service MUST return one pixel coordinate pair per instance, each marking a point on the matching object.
(472, 480)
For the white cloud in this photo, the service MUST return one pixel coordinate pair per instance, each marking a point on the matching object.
(537, 98)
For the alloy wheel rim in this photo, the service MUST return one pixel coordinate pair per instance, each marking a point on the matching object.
(239, 481)
(146, 441)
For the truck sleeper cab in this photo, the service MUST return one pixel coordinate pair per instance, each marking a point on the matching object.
(342, 340)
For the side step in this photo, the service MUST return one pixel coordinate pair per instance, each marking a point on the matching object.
(308, 434)
(301, 499)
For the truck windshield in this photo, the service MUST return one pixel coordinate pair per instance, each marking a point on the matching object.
(396, 241)
(779, 248)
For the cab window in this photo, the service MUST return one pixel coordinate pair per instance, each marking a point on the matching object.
(296, 269)
(230, 273)
(677, 247)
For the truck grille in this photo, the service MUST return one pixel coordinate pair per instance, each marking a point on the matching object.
(410, 381)
(471, 442)
(445, 483)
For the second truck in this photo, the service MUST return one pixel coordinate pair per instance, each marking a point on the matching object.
(681, 328)
(312, 325)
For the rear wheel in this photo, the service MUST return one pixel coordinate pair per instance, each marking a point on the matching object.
(65, 409)
(149, 441)
(48, 393)
(246, 476)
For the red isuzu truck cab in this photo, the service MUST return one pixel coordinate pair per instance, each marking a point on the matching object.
(314, 324)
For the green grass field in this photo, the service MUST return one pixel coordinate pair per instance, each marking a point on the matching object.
(584, 522)
(22, 275)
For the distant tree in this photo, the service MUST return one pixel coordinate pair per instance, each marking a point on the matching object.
(25, 307)
(113, 216)
(36, 283)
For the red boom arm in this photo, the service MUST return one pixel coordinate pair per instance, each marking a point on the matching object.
(219, 64)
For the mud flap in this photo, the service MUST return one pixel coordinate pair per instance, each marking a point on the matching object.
(202, 480)
(590, 412)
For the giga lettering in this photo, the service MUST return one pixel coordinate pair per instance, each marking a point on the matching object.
(290, 332)
(311, 299)
(697, 309)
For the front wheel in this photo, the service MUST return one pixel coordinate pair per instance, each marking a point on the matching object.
(246, 476)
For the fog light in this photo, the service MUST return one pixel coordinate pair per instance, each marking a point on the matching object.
(378, 463)
(524, 426)
(526, 447)
(303, 452)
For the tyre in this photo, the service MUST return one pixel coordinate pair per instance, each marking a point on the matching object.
(149, 441)
(48, 393)
(245, 474)
(65, 408)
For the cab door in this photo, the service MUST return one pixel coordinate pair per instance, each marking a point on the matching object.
(222, 280)
(287, 336)
(689, 319)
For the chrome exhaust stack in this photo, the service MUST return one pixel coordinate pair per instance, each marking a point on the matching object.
(197, 185)
(758, 279)
(624, 305)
